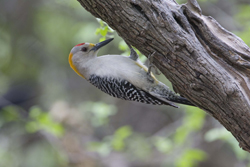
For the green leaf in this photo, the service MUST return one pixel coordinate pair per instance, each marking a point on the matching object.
(102, 148)
(35, 112)
(120, 135)
(217, 133)
(102, 39)
(190, 158)
(123, 132)
(163, 144)
(101, 112)
(181, 135)
(10, 113)
(42, 121)
(98, 30)
(31, 127)
(123, 46)
(104, 31)
(194, 119)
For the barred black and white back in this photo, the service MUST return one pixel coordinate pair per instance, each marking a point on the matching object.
(124, 90)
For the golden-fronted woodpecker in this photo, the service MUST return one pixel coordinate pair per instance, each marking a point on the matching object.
(121, 76)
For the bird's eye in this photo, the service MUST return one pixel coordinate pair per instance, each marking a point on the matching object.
(84, 49)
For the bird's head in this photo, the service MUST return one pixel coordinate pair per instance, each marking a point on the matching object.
(84, 50)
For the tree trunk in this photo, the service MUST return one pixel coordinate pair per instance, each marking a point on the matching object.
(205, 63)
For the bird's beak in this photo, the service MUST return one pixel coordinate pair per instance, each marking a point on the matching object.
(101, 44)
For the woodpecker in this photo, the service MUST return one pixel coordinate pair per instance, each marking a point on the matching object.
(121, 76)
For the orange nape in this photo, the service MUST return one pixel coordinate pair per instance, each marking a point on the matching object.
(73, 66)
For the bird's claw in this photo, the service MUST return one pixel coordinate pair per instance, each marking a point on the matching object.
(133, 55)
(150, 78)
(150, 66)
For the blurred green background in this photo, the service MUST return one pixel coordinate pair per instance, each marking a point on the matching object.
(51, 117)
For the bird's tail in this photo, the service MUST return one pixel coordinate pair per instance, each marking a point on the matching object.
(182, 100)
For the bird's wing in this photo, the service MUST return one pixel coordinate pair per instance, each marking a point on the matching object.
(125, 90)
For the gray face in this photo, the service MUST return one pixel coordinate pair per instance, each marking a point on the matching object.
(75, 49)
(80, 48)
(85, 48)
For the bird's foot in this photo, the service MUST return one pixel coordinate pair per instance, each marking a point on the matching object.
(149, 76)
(133, 55)
(151, 65)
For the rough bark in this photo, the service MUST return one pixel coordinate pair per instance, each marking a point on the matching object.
(206, 63)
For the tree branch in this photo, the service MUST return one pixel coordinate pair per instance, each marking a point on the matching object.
(205, 63)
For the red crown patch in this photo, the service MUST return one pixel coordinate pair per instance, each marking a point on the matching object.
(80, 44)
